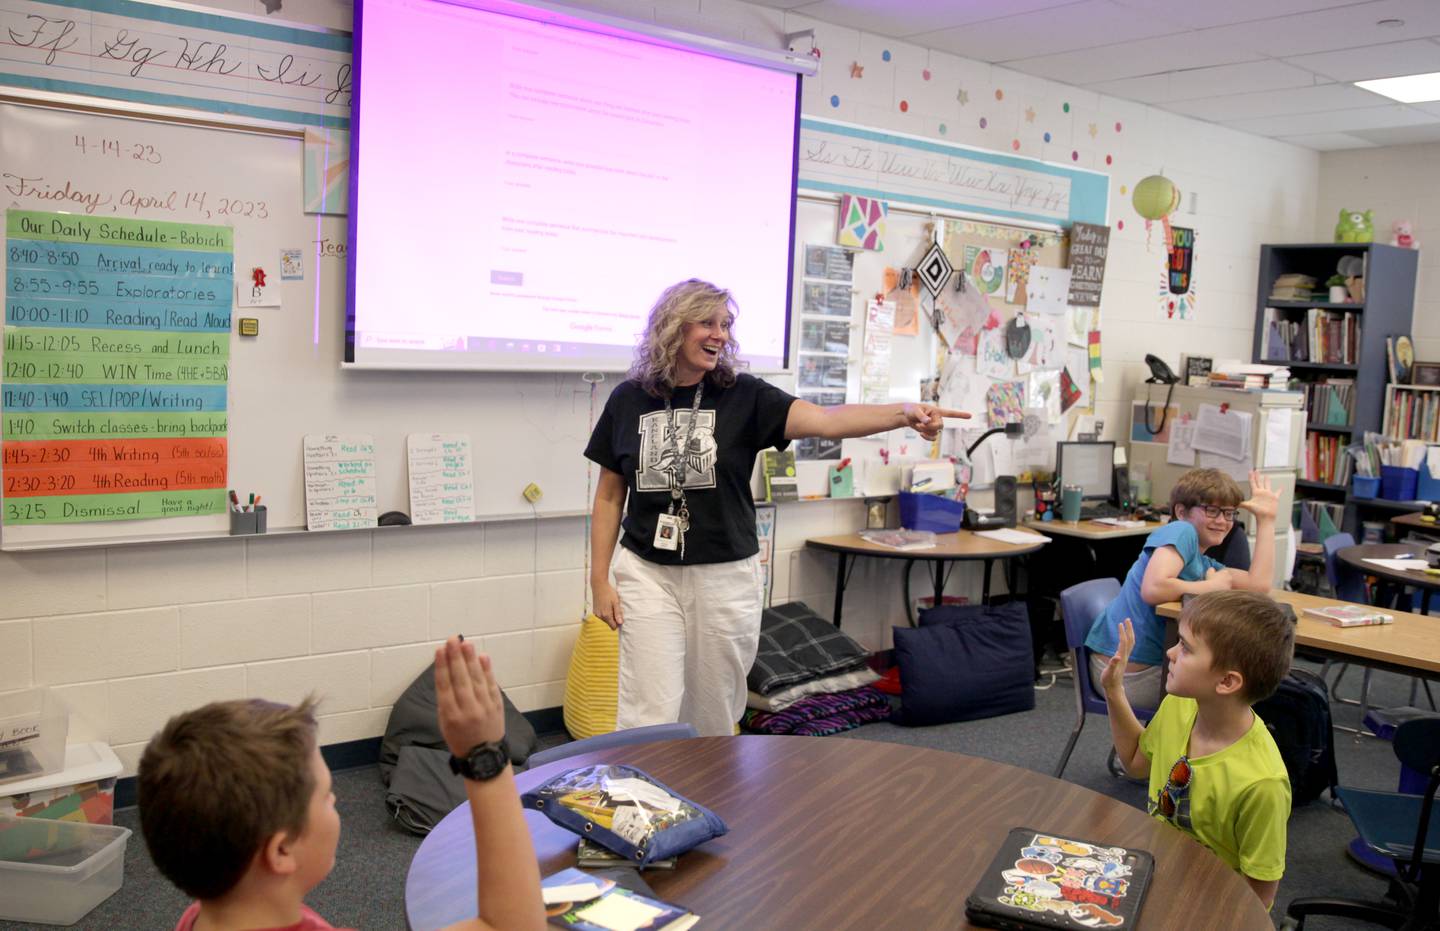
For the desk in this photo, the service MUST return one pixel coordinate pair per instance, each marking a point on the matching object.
(827, 832)
(1355, 557)
(1409, 646)
(1090, 530)
(1430, 528)
(949, 547)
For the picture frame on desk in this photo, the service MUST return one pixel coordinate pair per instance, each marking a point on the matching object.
(1426, 374)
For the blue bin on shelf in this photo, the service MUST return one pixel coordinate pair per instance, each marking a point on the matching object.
(1398, 483)
(1427, 489)
(1364, 486)
(930, 512)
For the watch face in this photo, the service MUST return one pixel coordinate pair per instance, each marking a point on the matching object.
(487, 760)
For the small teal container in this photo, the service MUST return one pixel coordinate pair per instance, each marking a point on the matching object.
(930, 512)
(1364, 486)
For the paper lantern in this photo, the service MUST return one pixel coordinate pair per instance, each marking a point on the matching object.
(1155, 198)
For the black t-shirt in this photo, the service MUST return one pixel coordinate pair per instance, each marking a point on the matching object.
(633, 438)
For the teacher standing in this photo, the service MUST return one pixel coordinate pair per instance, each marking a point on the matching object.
(676, 445)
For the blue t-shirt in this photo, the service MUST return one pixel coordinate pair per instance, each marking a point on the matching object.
(1149, 630)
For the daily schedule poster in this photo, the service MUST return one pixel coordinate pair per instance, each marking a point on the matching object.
(116, 365)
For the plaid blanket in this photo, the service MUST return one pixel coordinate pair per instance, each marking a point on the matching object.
(817, 715)
(797, 646)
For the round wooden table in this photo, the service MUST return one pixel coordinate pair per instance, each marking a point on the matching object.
(1355, 557)
(827, 832)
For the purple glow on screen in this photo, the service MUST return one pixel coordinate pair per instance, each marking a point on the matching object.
(525, 190)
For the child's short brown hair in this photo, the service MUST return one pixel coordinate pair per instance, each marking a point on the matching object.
(1205, 486)
(1247, 632)
(217, 782)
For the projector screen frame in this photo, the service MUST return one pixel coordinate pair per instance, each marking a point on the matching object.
(786, 61)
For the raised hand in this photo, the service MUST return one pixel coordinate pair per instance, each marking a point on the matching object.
(1114, 675)
(927, 419)
(1264, 501)
(471, 710)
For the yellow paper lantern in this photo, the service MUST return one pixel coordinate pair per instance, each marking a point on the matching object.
(1156, 197)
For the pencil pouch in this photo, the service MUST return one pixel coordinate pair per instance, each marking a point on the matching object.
(625, 811)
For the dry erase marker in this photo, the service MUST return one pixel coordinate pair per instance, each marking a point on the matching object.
(234, 500)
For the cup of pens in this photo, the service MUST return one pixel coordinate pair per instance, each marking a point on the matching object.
(246, 518)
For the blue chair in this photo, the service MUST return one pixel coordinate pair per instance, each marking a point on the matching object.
(634, 735)
(1400, 826)
(1348, 584)
(1080, 605)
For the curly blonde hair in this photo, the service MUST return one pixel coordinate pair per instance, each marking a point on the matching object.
(658, 354)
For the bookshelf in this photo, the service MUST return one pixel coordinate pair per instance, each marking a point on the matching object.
(1344, 376)
(1412, 412)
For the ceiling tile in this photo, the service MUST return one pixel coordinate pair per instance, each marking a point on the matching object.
(1432, 108)
(1224, 12)
(1135, 59)
(1328, 30)
(1392, 59)
(1079, 25)
(1402, 135)
(1220, 80)
(1319, 99)
(1343, 121)
(1328, 142)
(888, 18)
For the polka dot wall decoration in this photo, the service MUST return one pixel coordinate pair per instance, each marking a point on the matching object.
(925, 74)
(904, 106)
(1124, 189)
(834, 100)
(942, 129)
(1118, 127)
(1074, 156)
(885, 55)
(1109, 160)
(1119, 224)
(1066, 108)
(1015, 144)
(999, 94)
(984, 122)
(1047, 137)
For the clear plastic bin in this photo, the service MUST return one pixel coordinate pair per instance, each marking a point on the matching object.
(33, 726)
(55, 872)
(83, 791)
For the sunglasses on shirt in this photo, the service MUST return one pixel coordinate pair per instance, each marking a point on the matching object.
(1175, 790)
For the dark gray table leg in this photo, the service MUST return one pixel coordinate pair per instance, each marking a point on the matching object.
(840, 588)
(985, 585)
(1425, 601)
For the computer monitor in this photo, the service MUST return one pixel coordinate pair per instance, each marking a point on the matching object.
(1089, 465)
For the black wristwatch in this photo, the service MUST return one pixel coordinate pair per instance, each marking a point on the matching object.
(484, 761)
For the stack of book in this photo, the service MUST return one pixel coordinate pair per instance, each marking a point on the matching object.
(1323, 336)
(1248, 376)
(1330, 402)
(1293, 288)
(1326, 460)
(1351, 615)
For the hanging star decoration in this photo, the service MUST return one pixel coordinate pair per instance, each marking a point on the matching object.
(1029, 114)
(857, 70)
(963, 97)
(1094, 130)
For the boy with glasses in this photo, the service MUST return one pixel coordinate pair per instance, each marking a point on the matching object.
(1172, 564)
(1215, 772)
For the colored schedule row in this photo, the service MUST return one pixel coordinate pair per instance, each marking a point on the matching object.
(138, 262)
(44, 368)
(204, 346)
(52, 426)
(152, 234)
(73, 397)
(96, 312)
(118, 506)
(113, 479)
(109, 452)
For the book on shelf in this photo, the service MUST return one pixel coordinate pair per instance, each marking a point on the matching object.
(1197, 370)
(1330, 402)
(1351, 615)
(1326, 460)
(575, 899)
(1293, 287)
(1323, 336)
(1319, 519)
(1230, 373)
(1412, 415)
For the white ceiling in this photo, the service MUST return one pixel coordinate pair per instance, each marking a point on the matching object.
(1279, 68)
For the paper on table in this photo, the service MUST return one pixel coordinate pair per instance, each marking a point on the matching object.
(1007, 535)
(1277, 438)
(1227, 434)
(1401, 564)
(619, 913)
(1119, 522)
(1180, 450)
(573, 892)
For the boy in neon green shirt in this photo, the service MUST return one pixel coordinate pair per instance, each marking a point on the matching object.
(1215, 772)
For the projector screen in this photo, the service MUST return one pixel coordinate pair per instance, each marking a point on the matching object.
(523, 189)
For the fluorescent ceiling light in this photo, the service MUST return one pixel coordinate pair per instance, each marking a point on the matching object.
(1412, 88)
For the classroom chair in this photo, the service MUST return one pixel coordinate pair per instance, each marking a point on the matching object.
(1401, 826)
(1080, 605)
(1347, 584)
(633, 735)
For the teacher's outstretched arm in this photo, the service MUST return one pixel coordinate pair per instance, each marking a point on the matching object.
(846, 420)
(604, 532)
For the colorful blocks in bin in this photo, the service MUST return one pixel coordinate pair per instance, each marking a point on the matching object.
(84, 790)
(930, 512)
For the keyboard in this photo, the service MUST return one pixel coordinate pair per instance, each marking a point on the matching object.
(1095, 511)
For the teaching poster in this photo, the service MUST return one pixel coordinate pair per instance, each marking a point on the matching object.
(116, 367)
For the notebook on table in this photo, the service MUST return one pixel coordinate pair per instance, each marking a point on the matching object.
(1041, 880)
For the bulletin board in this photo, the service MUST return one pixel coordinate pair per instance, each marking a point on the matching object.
(1049, 389)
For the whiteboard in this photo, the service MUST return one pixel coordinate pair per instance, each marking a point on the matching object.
(288, 381)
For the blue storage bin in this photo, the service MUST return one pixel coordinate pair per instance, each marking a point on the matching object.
(1427, 489)
(930, 512)
(1363, 486)
(1398, 483)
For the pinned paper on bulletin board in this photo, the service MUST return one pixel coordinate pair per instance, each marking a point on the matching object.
(1078, 322)
(985, 268)
(1017, 275)
(1005, 403)
(906, 301)
(1096, 372)
(991, 359)
(1047, 290)
(862, 222)
(963, 315)
(1044, 351)
(257, 283)
(1042, 393)
(1077, 366)
(1143, 416)
(1180, 450)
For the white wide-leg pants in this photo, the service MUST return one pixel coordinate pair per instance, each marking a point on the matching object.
(689, 638)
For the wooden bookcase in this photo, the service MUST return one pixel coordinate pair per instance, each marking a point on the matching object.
(1386, 311)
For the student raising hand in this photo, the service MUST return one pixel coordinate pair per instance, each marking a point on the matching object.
(1113, 679)
(471, 711)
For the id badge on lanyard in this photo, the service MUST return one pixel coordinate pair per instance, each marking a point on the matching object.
(670, 527)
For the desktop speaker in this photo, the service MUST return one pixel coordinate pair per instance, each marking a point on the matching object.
(1005, 499)
(1122, 487)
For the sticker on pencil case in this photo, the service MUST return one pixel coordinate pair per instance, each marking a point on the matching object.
(1045, 881)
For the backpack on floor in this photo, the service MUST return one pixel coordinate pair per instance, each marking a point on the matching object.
(1298, 716)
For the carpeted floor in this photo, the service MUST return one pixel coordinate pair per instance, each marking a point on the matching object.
(366, 888)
